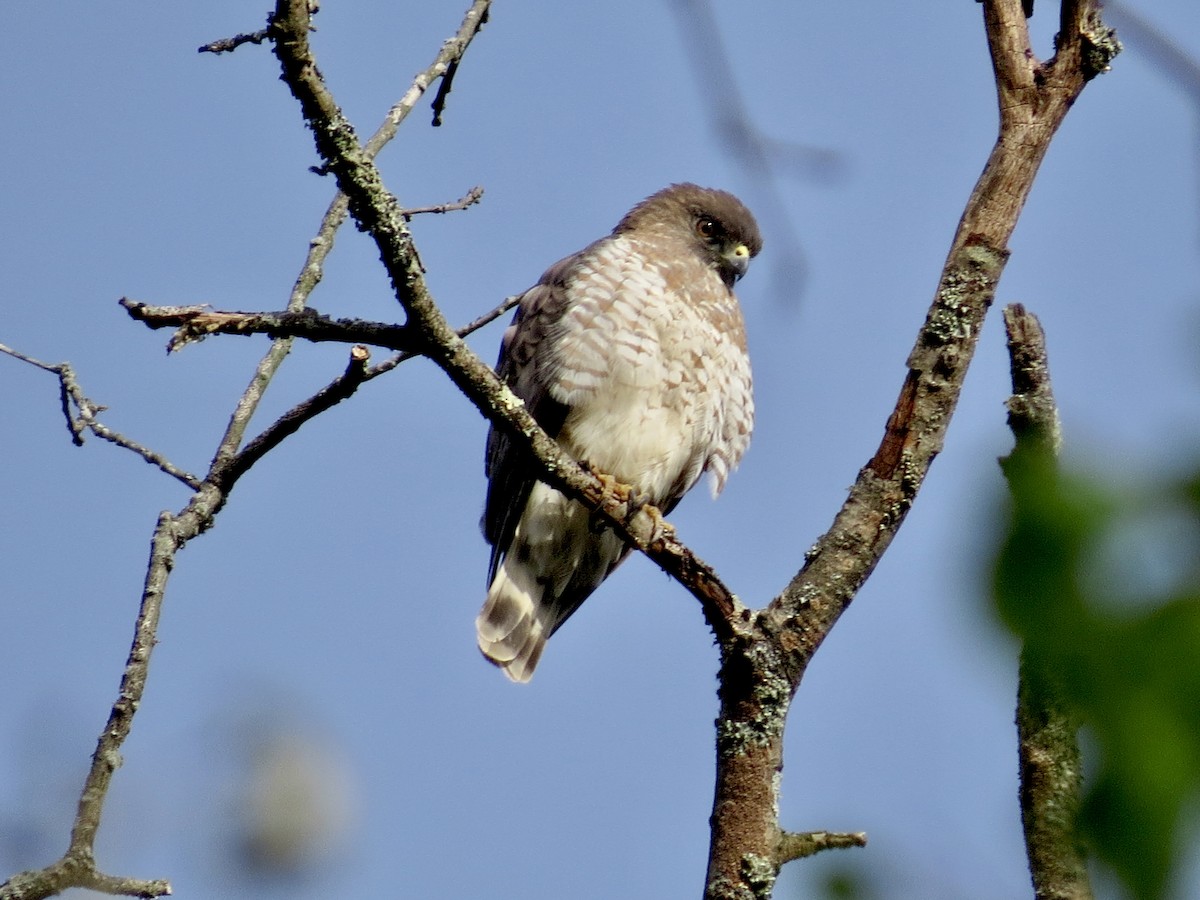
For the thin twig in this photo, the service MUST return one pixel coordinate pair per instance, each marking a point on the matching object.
(473, 196)
(194, 323)
(341, 388)
(443, 93)
(798, 845)
(1168, 54)
(71, 396)
(452, 51)
(229, 44)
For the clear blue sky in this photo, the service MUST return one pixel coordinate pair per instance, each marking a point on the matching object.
(333, 602)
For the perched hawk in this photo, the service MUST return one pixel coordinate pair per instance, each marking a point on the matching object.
(632, 354)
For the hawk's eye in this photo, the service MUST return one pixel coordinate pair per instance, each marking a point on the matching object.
(707, 228)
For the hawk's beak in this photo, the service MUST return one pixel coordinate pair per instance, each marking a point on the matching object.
(738, 257)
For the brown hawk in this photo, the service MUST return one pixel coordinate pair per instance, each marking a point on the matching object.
(632, 354)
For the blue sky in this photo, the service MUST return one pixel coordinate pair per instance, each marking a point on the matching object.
(332, 605)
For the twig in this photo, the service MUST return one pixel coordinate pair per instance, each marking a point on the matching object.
(72, 397)
(798, 845)
(1048, 749)
(452, 51)
(443, 93)
(473, 196)
(229, 44)
(197, 322)
(289, 423)
(447, 83)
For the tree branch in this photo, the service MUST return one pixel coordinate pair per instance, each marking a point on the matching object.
(760, 673)
(470, 198)
(1048, 749)
(84, 418)
(798, 845)
(228, 45)
(342, 388)
(195, 323)
(77, 866)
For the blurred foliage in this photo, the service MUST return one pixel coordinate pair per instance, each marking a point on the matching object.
(847, 883)
(1103, 587)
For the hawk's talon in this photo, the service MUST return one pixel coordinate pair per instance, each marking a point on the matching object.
(660, 528)
(611, 488)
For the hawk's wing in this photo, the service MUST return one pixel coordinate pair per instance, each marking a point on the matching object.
(523, 366)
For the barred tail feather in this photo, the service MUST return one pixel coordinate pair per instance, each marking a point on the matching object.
(510, 627)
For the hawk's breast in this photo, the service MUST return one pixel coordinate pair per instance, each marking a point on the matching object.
(645, 360)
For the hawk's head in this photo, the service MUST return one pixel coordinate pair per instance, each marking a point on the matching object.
(715, 223)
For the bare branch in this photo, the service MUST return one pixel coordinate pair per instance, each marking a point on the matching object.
(72, 397)
(443, 93)
(798, 845)
(452, 51)
(69, 873)
(473, 196)
(229, 44)
(357, 373)
(758, 155)
(77, 867)
(197, 322)
(1179, 66)
(312, 271)
(289, 423)
(1050, 763)
(760, 674)
(1031, 111)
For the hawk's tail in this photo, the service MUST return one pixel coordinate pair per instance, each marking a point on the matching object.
(510, 627)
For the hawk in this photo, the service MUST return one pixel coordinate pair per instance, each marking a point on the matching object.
(632, 355)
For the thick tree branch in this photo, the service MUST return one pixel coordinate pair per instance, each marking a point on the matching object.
(1031, 111)
(762, 670)
(1048, 748)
